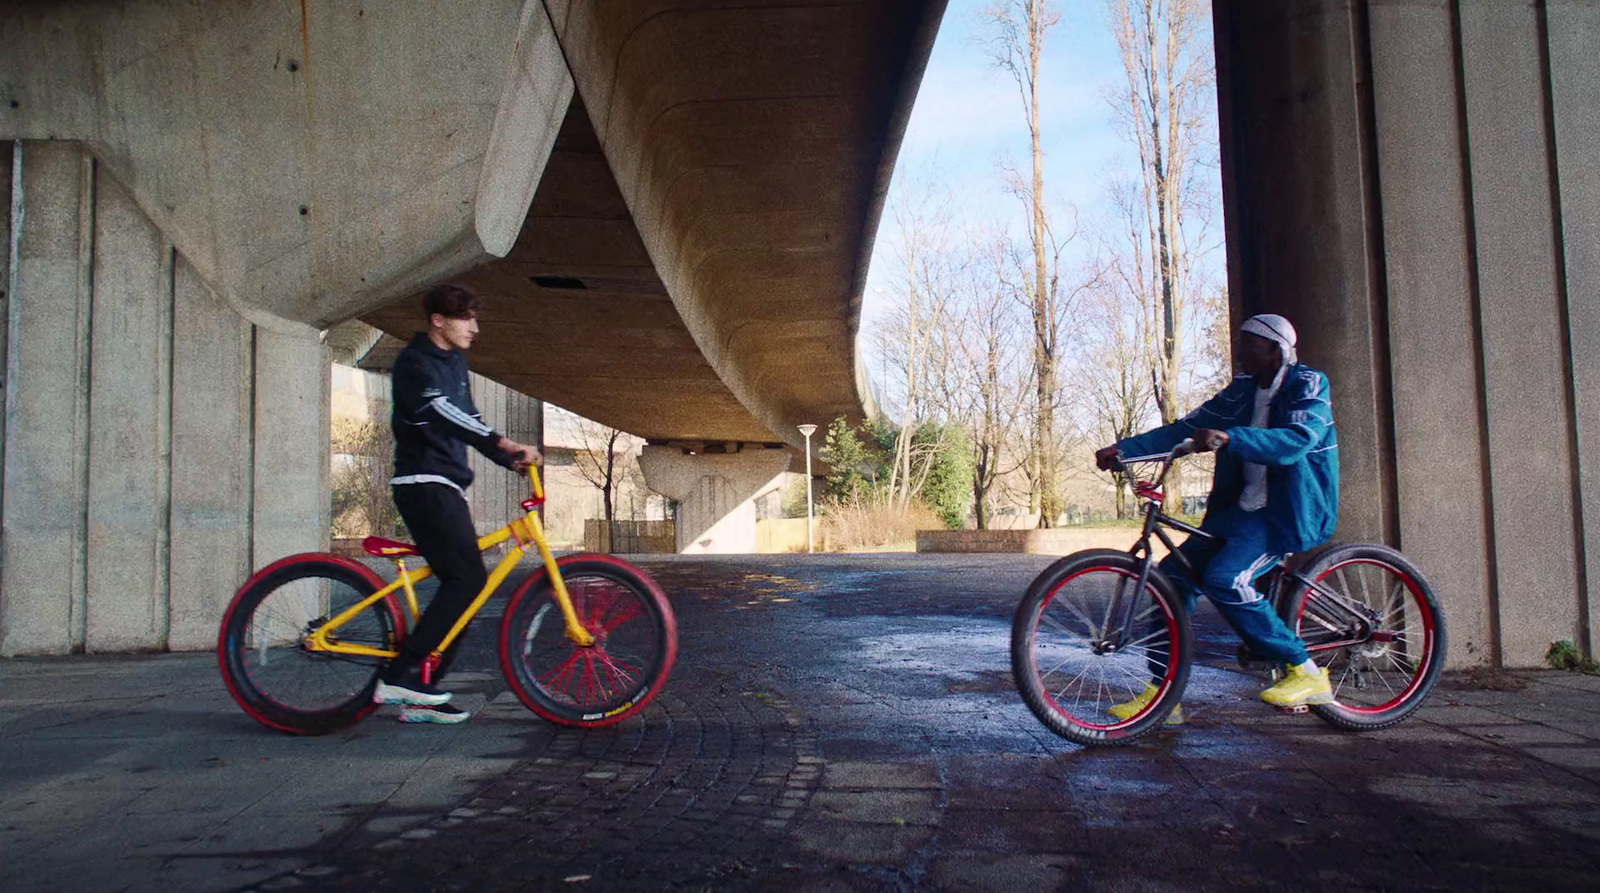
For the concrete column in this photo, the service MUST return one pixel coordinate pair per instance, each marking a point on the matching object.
(1432, 328)
(129, 427)
(7, 149)
(212, 456)
(42, 554)
(715, 493)
(1524, 333)
(1573, 27)
(291, 444)
(1298, 192)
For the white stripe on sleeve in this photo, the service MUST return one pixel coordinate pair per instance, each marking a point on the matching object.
(453, 413)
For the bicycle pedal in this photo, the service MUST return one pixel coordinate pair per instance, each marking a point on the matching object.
(1297, 709)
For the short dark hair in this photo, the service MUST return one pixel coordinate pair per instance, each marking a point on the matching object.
(454, 301)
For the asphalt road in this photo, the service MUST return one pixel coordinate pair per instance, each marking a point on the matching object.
(834, 723)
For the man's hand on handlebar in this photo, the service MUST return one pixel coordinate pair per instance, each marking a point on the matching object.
(1106, 459)
(1209, 439)
(524, 456)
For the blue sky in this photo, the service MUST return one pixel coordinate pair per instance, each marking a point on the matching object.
(968, 116)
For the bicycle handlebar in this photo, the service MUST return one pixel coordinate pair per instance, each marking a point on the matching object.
(1185, 447)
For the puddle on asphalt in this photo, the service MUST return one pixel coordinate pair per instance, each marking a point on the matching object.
(960, 650)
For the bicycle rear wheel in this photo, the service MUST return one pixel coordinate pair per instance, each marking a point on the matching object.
(636, 643)
(1060, 659)
(262, 653)
(1379, 675)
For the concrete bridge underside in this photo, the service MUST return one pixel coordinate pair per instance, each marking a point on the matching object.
(670, 205)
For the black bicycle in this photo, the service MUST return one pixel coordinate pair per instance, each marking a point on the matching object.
(1098, 627)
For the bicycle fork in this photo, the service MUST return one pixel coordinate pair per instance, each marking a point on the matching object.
(1123, 603)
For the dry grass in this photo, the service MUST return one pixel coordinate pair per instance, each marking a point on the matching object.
(874, 527)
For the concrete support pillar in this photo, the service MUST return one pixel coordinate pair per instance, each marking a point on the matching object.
(1432, 326)
(715, 493)
(42, 533)
(1299, 209)
(1573, 27)
(292, 377)
(1415, 184)
(212, 459)
(130, 426)
(1526, 378)
(157, 445)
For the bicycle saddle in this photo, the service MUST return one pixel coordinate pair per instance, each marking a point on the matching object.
(377, 545)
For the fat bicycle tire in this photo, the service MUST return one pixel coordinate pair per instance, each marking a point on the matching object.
(261, 651)
(1050, 636)
(636, 642)
(1384, 679)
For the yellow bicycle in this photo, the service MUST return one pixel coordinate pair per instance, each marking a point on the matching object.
(588, 640)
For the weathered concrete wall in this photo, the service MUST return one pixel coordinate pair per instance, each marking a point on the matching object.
(496, 494)
(715, 493)
(1414, 183)
(157, 446)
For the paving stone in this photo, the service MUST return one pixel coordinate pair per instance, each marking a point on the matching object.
(854, 771)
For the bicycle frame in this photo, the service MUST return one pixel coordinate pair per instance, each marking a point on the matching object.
(1155, 522)
(522, 532)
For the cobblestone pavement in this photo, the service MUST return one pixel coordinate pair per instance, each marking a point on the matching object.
(849, 723)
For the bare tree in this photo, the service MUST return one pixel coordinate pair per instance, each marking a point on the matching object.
(912, 338)
(1113, 372)
(600, 459)
(1018, 29)
(1162, 108)
(985, 385)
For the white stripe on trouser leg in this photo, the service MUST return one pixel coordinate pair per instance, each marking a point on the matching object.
(1242, 583)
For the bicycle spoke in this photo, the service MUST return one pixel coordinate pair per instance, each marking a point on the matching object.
(1378, 673)
(1081, 673)
(1058, 626)
(589, 678)
(1078, 677)
(1093, 630)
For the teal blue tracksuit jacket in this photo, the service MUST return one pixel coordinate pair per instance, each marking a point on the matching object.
(1299, 448)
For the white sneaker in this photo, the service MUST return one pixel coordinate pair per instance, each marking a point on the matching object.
(413, 693)
(446, 714)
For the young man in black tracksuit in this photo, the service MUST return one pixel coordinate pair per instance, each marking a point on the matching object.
(434, 421)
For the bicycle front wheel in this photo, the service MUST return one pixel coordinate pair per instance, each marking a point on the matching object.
(262, 650)
(1383, 671)
(1073, 660)
(636, 643)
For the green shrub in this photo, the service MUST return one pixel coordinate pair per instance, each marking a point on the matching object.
(1564, 655)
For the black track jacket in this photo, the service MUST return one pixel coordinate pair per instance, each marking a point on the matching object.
(434, 418)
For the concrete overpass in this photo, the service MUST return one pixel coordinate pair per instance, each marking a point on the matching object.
(680, 195)
(197, 193)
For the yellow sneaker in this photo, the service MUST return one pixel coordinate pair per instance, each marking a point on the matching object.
(1299, 687)
(1141, 701)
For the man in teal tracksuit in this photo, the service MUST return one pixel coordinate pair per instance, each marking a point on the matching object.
(1275, 491)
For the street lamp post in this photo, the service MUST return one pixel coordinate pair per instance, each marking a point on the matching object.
(808, 430)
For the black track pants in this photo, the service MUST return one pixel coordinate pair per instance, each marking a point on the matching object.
(442, 528)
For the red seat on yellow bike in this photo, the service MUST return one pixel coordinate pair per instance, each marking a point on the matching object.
(377, 545)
